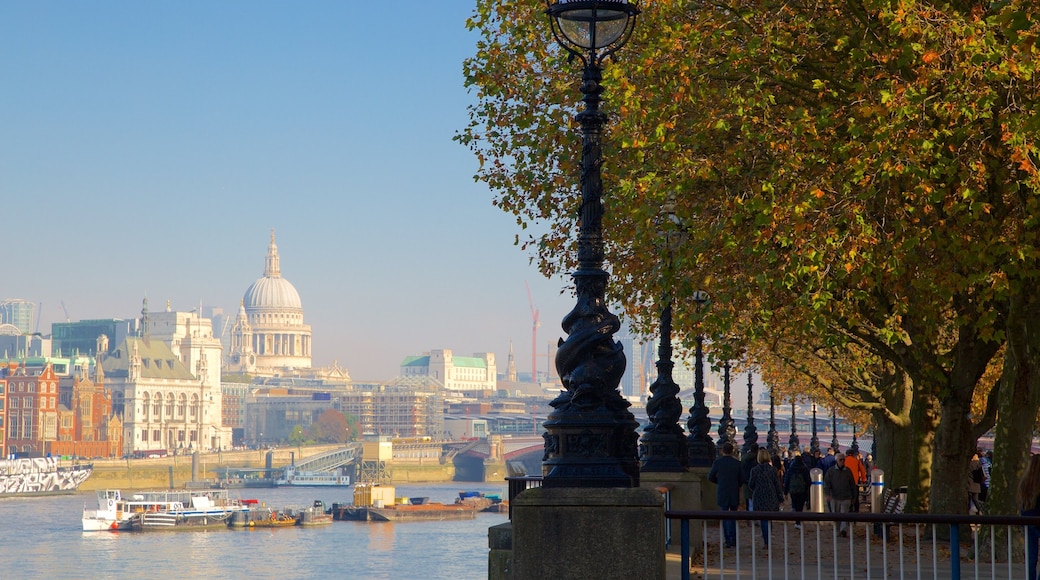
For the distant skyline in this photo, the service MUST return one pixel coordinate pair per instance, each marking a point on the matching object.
(148, 149)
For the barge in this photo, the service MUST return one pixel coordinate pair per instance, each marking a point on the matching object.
(377, 503)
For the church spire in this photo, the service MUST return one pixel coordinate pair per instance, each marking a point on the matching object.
(272, 269)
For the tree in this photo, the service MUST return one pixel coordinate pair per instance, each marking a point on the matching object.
(329, 427)
(847, 175)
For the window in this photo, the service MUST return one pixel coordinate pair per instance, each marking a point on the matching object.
(28, 403)
(144, 435)
(32, 387)
(14, 403)
(156, 435)
(54, 407)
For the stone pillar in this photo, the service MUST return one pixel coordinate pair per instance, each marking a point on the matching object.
(687, 491)
(569, 533)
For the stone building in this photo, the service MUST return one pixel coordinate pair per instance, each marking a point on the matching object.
(165, 404)
(469, 376)
(268, 336)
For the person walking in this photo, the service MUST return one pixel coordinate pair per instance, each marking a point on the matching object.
(975, 479)
(766, 491)
(727, 474)
(747, 464)
(839, 486)
(798, 482)
(1029, 505)
(859, 473)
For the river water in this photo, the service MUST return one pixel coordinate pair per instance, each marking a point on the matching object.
(43, 538)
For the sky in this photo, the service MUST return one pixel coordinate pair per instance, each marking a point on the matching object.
(147, 150)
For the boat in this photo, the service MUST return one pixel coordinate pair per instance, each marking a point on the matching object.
(183, 510)
(313, 478)
(274, 519)
(376, 503)
(316, 515)
(41, 476)
(112, 513)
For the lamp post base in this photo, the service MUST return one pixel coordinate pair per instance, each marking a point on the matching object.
(590, 449)
(663, 452)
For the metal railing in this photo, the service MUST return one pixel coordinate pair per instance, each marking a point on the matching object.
(877, 545)
(517, 484)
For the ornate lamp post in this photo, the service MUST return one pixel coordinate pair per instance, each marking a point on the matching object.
(834, 430)
(663, 446)
(793, 444)
(814, 443)
(590, 438)
(750, 433)
(701, 447)
(772, 438)
(727, 432)
(855, 444)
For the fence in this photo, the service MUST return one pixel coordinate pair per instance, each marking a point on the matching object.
(878, 546)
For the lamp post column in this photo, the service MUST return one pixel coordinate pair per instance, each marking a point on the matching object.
(793, 444)
(750, 433)
(772, 438)
(834, 429)
(814, 442)
(663, 446)
(726, 430)
(591, 438)
(701, 447)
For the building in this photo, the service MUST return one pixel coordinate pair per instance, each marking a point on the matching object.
(469, 376)
(32, 409)
(165, 405)
(268, 336)
(271, 414)
(21, 314)
(396, 411)
(81, 337)
(86, 425)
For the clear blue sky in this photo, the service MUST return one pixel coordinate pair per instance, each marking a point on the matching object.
(148, 148)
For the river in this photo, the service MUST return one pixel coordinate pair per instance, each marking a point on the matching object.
(43, 538)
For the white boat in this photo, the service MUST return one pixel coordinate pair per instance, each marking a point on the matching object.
(41, 476)
(182, 510)
(313, 478)
(112, 513)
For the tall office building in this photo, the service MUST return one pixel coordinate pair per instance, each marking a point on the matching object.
(18, 313)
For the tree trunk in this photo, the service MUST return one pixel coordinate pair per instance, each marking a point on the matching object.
(1018, 402)
(924, 423)
(954, 444)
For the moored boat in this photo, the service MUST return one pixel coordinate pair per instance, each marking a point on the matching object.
(41, 476)
(316, 515)
(313, 478)
(274, 519)
(112, 513)
(377, 503)
(183, 510)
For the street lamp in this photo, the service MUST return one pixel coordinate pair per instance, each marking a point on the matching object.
(814, 441)
(727, 432)
(702, 448)
(772, 438)
(834, 429)
(750, 433)
(590, 438)
(793, 444)
(663, 447)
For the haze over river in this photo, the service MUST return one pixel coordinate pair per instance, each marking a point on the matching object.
(43, 538)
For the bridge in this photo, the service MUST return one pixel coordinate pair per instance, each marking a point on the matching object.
(331, 460)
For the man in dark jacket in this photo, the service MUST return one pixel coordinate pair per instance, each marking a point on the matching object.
(839, 486)
(727, 474)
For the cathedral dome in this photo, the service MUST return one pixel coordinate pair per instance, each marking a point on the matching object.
(272, 291)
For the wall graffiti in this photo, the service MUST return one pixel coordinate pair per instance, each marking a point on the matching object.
(40, 475)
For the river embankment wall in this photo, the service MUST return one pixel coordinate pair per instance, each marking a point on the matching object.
(175, 472)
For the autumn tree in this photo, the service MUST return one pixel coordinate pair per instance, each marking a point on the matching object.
(853, 177)
(329, 427)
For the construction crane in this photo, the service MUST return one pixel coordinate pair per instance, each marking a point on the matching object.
(534, 335)
(66, 311)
